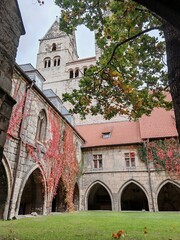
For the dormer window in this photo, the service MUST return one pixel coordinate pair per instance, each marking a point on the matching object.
(53, 47)
(106, 134)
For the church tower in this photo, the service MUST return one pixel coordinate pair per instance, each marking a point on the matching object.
(58, 62)
(56, 49)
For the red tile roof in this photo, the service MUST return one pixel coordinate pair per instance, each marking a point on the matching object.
(159, 124)
(121, 133)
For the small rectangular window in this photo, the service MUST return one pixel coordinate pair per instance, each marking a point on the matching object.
(106, 135)
(130, 160)
(97, 161)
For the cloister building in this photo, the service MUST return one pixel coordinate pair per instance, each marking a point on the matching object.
(51, 156)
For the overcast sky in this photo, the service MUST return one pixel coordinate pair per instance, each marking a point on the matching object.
(37, 21)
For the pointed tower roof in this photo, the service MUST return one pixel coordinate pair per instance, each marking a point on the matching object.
(54, 31)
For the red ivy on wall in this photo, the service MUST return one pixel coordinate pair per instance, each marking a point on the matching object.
(165, 155)
(53, 156)
(58, 159)
(16, 116)
(71, 167)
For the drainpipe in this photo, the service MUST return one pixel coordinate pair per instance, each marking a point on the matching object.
(19, 148)
(149, 173)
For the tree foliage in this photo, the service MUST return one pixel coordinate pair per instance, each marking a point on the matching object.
(130, 76)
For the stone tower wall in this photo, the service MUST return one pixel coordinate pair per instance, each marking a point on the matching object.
(11, 28)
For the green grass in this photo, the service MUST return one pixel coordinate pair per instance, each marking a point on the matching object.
(93, 225)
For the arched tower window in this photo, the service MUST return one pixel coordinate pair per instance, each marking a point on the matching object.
(41, 126)
(56, 61)
(47, 62)
(84, 70)
(54, 47)
(77, 73)
(71, 74)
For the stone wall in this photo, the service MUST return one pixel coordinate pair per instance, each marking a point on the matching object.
(28, 162)
(11, 28)
(114, 176)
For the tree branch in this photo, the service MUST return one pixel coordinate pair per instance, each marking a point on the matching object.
(130, 39)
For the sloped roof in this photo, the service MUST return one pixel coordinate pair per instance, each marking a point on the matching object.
(120, 133)
(54, 31)
(159, 124)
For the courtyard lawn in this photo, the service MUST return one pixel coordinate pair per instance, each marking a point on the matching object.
(95, 225)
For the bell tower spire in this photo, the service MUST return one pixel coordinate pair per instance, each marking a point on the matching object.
(56, 50)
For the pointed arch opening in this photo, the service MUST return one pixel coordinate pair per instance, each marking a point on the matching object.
(133, 198)
(76, 197)
(99, 198)
(3, 189)
(58, 203)
(32, 199)
(169, 197)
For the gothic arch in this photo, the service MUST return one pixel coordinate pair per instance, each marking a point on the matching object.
(5, 187)
(168, 196)
(98, 197)
(133, 197)
(32, 193)
(58, 202)
(76, 197)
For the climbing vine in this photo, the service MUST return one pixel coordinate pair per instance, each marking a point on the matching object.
(164, 154)
(17, 112)
(53, 155)
(71, 168)
(56, 157)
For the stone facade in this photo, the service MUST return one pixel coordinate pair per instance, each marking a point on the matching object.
(123, 185)
(11, 28)
(113, 186)
(63, 76)
(30, 156)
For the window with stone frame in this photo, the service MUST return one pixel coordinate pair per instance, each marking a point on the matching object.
(77, 73)
(71, 74)
(41, 126)
(56, 61)
(97, 161)
(130, 159)
(47, 62)
(54, 47)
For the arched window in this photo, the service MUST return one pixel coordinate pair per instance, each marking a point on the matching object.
(56, 61)
(84, 71)
(77, 73)
(71, 74)
(54, 47)
(41, 126)
(47, 62)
